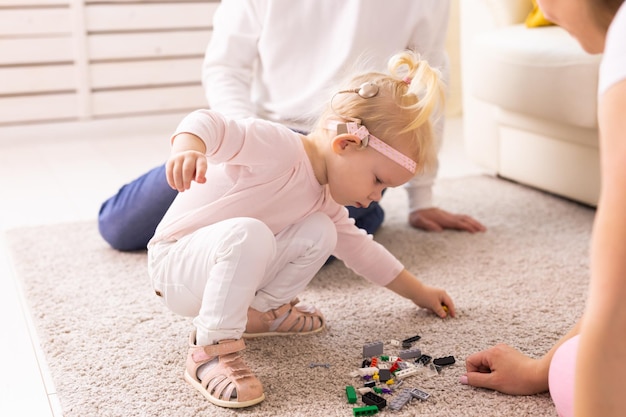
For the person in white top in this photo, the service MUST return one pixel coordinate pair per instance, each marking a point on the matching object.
(277, 60)
(261, 207)
(586, 370)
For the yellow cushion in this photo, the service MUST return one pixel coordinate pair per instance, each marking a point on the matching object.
(536, 18)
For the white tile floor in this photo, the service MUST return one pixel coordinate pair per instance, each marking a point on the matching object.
(62, 172)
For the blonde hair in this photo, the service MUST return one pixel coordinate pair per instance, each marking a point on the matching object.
(407, 97)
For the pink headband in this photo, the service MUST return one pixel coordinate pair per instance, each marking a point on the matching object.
(367, 139)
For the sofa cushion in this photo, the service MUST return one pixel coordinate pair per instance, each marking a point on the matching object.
(540, 72)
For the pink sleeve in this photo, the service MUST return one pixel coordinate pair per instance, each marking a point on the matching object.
(361, 253)
(561, 377)
(223, 138)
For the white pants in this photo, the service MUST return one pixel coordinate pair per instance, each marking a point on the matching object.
(217, 272)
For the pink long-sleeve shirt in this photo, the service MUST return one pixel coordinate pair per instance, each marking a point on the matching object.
(260, 169)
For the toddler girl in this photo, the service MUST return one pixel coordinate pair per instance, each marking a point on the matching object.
(261, 208)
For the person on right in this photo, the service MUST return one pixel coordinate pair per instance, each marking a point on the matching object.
(586, 370)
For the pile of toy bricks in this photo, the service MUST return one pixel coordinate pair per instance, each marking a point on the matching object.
(383, 374)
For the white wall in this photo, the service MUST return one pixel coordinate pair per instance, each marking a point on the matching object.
(454, 106)
(80, 60)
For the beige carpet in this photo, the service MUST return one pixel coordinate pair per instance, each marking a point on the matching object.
(114, 350)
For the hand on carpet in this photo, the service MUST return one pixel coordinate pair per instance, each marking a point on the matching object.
(436, 300)
(435, 220)
(507, 370)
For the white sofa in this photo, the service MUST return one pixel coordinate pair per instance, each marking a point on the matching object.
(529, 100)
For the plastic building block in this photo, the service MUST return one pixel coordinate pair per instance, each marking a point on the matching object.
(366, 363)
(401, 400)
(319, 365)
(351, 394)
(363, 390)
(411, 353)
(394, 342)
(419, 394)
(408, 342)
(384, 358)
(368, 371)
(370, 384)
(445, 361)
(407, 372)
(370, 398)
(424, 359)
(372, 349)
(374, 362)
(384, 375)
(369, 410)
(431, 370)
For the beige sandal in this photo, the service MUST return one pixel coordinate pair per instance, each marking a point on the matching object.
(229, 383)
(303, 320)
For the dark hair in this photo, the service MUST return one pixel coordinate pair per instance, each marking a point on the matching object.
(605, 12)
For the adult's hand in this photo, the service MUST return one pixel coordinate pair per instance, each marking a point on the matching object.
(435, 220)
(505, 369)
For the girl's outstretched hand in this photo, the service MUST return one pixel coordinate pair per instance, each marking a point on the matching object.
(435, 299)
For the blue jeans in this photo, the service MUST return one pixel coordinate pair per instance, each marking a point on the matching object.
(128, 219)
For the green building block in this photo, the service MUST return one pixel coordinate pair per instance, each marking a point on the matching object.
(370, 410)
(351, 394)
